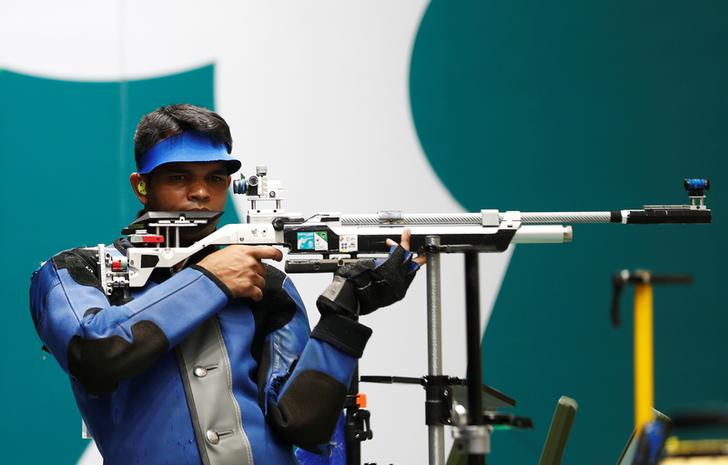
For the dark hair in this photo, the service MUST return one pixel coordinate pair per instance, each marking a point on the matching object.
(171, 120)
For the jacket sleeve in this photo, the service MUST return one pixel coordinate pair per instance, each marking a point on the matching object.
(303, 380)
(99, 344)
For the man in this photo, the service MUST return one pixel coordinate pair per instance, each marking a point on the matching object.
(212, 362)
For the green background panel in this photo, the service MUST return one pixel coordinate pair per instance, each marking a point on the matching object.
(573, 105)
(67, 151)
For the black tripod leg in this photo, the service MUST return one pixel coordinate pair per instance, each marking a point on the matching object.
(475, 371)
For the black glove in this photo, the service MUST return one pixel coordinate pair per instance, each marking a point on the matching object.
(367, 285)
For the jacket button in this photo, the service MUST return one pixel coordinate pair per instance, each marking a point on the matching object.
(200, 372)
(212, 437)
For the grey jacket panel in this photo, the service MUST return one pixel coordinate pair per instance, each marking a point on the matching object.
(207, 375)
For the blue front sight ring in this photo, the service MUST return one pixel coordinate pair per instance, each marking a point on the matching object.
(696, 186)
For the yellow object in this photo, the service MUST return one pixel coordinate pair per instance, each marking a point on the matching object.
(142, 188)
(717, 460)
(644, 385)
(694, 447)
(695, 452)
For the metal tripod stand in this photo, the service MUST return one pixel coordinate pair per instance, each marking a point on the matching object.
(474, 433)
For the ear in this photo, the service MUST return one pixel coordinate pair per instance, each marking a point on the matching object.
(228, 181)
(135, 179)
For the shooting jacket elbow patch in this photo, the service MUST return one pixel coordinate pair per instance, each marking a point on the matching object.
(342, 332)
(307, 413)
(81, 265)
(99, 364)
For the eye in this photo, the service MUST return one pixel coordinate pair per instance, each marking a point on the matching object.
(216, 178)
(176, 177)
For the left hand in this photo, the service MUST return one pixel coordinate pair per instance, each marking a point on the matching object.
(367, 285)
(404, 241)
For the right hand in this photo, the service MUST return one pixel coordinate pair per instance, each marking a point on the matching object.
(239, 267)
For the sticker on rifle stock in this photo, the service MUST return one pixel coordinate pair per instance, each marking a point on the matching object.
(348, 243)
(305, 241)
(321, 240)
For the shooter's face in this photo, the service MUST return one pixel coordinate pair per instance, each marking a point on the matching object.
(187, 187)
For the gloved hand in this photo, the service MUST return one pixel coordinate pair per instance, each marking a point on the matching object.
(367, 285)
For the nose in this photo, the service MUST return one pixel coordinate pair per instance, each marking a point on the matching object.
(198, 191)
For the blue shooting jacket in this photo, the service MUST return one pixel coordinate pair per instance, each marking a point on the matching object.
(182, 373)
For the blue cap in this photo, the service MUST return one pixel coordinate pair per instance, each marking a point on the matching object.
(190, 146)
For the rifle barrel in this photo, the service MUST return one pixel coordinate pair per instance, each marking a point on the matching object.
(376, 219)
(651, 214)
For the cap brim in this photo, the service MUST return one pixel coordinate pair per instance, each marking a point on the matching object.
(187, 147)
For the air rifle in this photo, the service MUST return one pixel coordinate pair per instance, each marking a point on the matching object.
(325, 241)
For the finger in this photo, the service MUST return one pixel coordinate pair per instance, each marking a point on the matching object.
(258, 281)
(405, 240)
(258, 268)
(251, 264)
(421, 259)
(256, 294)
(266, 252)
